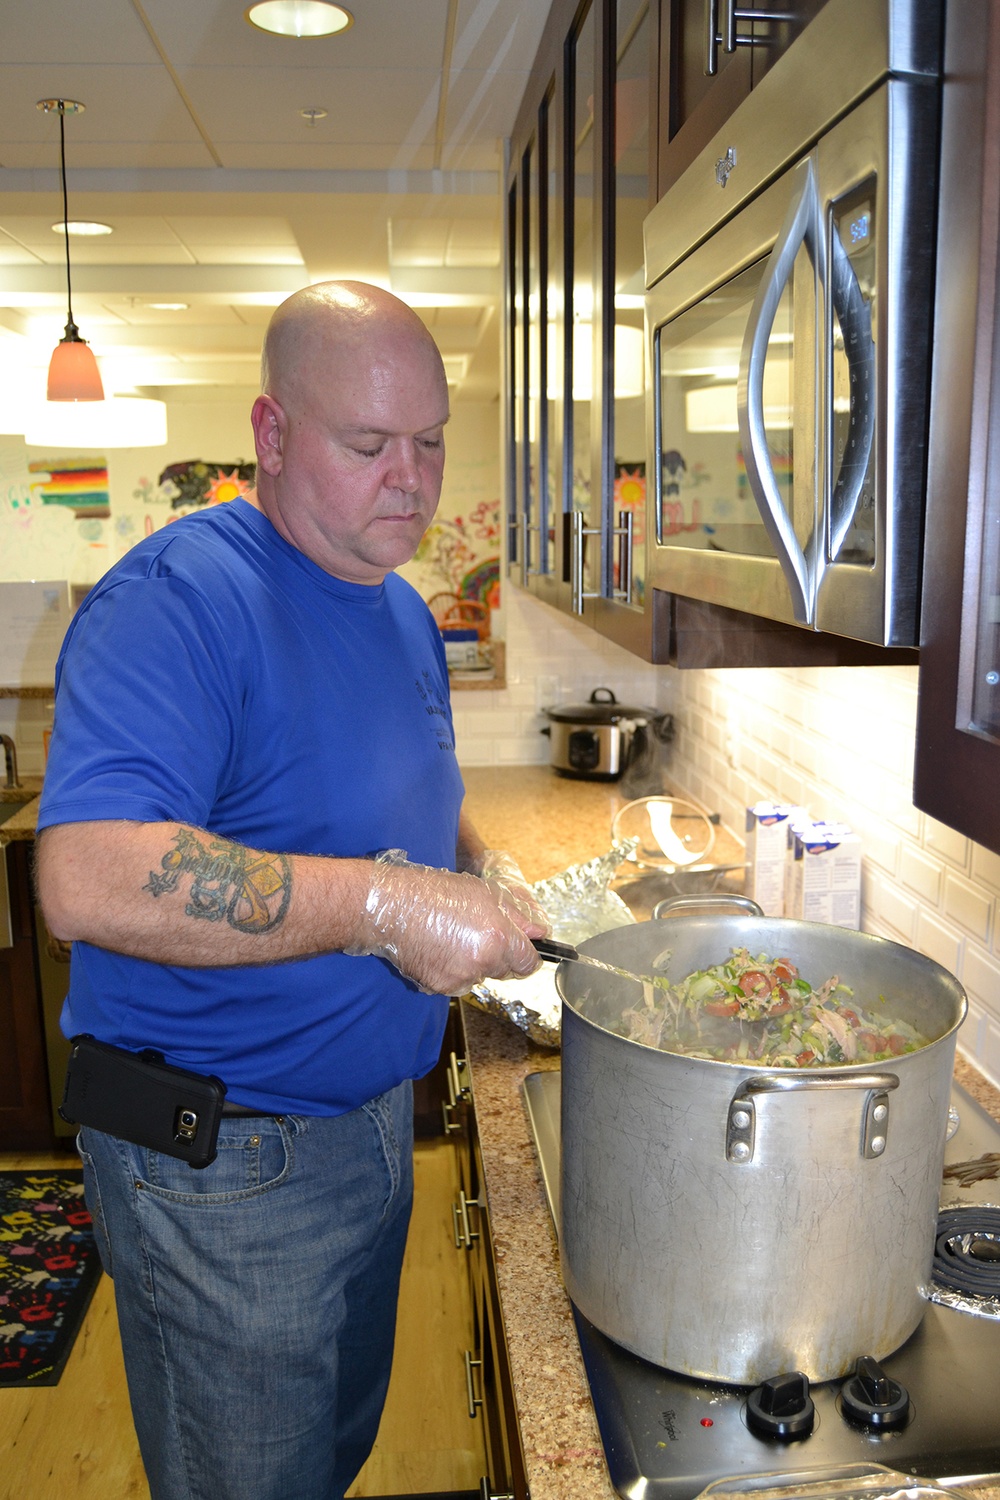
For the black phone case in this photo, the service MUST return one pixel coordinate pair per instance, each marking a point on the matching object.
(140, 1098)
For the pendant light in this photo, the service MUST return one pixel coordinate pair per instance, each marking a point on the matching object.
(73, 372)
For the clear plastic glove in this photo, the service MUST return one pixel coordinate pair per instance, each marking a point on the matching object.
(445, 932)
(503, 875)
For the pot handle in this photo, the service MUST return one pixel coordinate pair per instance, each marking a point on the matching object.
(742, 1119)
(673, 904)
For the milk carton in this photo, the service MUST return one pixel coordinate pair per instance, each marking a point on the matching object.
(767, 825)
(825, 881)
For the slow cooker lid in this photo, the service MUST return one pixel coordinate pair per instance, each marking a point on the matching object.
(598, 710)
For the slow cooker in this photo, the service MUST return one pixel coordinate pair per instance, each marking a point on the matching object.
(600, 739)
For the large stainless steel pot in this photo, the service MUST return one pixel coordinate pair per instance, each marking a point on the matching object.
(732, 1223)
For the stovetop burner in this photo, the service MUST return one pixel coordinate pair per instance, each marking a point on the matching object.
(967, 1252)
(667, 1437)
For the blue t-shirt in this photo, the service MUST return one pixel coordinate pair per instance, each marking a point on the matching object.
(217, 677)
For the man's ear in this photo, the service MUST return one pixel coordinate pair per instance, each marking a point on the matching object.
(267, 417)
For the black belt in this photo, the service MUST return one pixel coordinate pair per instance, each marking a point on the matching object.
(246, 1109)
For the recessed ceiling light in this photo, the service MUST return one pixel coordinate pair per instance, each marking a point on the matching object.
(300, 18)
(81, 227)
(169, 306)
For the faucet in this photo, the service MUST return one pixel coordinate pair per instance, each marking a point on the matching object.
(10, 756)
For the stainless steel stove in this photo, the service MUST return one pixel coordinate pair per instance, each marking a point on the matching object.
(667, 1436)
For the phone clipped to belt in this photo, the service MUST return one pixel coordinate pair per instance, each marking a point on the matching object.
(140, 1098)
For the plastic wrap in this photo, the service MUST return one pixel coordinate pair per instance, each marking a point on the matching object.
(847, 1482)
(579, 904)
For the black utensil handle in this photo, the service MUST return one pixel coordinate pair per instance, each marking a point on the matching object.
(556, 952)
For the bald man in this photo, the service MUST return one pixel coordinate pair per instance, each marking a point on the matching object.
(252, 834)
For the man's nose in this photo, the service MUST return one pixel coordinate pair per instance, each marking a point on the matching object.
(404, 471)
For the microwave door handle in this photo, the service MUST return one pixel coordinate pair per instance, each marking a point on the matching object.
(799, 228)
(854, 314)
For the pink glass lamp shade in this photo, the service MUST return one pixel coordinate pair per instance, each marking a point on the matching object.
(73, 372)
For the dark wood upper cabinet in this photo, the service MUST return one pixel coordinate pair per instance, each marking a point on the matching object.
(957, 764)
(696, 102)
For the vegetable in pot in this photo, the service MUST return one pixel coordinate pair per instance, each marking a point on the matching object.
(760, 1009)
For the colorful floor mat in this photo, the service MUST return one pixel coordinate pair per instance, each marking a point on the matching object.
(49, 1267)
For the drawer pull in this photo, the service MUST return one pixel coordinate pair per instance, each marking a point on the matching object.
(470, 1389)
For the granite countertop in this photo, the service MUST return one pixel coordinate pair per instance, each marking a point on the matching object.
(20, 826)
(548, 823)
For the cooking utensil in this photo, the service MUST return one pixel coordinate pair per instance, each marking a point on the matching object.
(728, 1221)
(548, 948)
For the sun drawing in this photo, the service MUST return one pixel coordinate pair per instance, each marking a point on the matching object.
(225, 487)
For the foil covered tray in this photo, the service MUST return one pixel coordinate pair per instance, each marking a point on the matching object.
(579, 904)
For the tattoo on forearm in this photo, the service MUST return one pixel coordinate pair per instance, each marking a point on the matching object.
(249, 890)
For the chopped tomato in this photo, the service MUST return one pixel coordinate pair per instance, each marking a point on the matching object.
(805, 1057)
(722, 1007)
(755, 982)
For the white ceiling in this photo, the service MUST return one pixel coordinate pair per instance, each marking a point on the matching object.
(223, 195)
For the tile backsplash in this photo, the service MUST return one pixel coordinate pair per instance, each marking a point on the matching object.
(836, 740)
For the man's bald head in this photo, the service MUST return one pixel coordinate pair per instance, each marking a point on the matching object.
(349, 428)
(330, 324)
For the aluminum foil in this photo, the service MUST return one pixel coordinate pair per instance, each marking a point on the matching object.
(579, 905)
(980, 1307)
(967, 1173)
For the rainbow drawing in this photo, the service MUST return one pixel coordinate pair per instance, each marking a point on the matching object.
(80, 483)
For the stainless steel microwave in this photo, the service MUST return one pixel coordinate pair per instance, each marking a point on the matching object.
(789, 279)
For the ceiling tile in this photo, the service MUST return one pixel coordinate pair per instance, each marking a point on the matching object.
(385, 33)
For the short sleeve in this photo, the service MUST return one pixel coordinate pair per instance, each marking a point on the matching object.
(148, 707)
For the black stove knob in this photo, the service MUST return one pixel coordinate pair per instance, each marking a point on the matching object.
(871, 1400)
(782, 1407)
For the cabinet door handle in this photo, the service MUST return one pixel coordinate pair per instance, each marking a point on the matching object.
(457, 1090)
(486, 1493)
(623, 531)
(465, 1235)
(577, 594)
(729, 36)
(475, 1402)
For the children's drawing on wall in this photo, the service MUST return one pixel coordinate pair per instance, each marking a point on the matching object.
(79, 483)
(194, 483)
(630, 497)
(52, 515)
(459, 555)
(681, 505)
(181, 488)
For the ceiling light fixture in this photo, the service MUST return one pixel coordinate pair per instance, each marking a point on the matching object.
(82, 227)
(118, 422)
(73, 372)
(299, 18)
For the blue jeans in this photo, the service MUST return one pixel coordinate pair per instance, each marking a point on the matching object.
(257, 1297)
